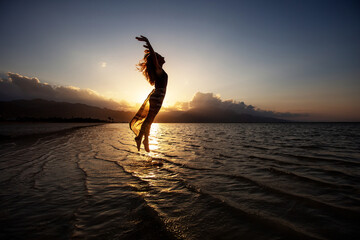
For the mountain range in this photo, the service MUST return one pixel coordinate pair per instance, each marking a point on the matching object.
(43, 110)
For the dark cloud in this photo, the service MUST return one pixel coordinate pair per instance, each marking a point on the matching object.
(14, 86)
(207, 101)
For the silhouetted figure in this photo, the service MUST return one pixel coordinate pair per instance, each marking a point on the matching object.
(151, 67)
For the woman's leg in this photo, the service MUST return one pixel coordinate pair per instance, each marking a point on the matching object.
(145, 131)
(138, 140)
(154, 108)
(153, 111)
(147, 125)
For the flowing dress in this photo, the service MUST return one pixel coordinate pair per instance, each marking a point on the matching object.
(149, 109)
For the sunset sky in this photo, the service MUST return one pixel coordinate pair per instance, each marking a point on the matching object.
(283, 56)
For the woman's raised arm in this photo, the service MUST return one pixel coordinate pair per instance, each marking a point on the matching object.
(152, 52)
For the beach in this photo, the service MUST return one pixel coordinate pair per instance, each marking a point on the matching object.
(200, 181)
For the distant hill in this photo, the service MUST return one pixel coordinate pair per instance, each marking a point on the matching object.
(39, 109)
(44, 110)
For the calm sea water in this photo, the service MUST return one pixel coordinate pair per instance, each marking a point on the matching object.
(201, 181)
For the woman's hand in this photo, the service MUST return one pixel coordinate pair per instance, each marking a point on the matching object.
(144, 39)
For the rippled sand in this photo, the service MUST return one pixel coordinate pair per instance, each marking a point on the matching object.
(201, 181)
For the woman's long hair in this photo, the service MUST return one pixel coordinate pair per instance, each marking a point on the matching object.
(147, 67)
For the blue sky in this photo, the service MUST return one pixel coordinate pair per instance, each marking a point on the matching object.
(286, 56)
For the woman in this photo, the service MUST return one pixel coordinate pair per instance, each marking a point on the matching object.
(151, 67)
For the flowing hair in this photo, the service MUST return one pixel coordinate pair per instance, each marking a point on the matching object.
(147, 67)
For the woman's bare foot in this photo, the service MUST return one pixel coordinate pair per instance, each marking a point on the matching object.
(146, 144)
(138, 142)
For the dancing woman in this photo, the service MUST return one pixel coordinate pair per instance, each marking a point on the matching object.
(151, 67)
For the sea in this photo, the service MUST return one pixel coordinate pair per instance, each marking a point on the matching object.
(200, 181)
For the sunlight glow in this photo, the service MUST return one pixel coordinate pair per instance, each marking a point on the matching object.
(154, 134)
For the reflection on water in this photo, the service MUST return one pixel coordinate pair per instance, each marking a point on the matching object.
(201, 181)
(153, 141)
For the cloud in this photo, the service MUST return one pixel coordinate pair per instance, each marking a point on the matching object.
(209, 101)
(14, 86)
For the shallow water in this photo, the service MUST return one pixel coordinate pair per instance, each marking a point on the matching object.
(201, 181)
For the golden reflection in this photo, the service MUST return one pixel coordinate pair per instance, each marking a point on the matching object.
(154, 129)
(154, 141)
